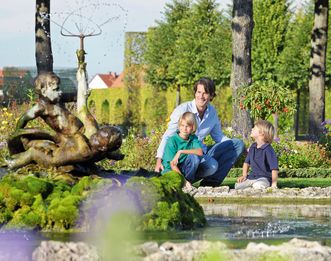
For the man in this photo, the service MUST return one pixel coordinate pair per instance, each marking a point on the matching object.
(222, 155)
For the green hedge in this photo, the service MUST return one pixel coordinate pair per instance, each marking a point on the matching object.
(292, 173)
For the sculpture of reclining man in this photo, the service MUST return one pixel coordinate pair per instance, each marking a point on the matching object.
(69, 145)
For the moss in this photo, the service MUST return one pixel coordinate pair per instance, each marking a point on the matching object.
(35, 186)
(5, 215)
(166, 206)
(18, 219)
(54, 205)
(39, 208)
(27, 199)
(85, 184)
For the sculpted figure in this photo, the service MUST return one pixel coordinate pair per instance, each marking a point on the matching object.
(71, 149)
(68, 145)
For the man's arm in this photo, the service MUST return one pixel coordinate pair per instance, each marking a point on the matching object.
(29, 115)
(216, 133)
(171, 130)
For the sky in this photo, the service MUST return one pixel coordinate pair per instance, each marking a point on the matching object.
(105, 52)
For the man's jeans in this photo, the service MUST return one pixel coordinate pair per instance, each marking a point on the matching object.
(212, 167)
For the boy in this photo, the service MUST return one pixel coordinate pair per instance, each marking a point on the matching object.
(178, 146)
(261, 159)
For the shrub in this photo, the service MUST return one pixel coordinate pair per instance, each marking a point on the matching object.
(139, 151)
(292, 154)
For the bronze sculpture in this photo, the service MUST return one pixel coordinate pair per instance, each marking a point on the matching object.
(69, 144)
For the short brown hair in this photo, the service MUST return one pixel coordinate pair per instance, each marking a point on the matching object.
(189, 117)
(209, 86)
(267, 129)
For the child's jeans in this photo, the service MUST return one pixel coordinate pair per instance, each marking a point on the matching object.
(260, 183)
(190, 166)
(212, 167)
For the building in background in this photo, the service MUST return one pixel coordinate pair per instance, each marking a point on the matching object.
(17, 83)
(103, 81)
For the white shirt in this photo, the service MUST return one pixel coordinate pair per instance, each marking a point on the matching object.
(209, 124)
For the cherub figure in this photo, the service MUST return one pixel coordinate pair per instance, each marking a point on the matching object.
(69, 145)
(70, 150)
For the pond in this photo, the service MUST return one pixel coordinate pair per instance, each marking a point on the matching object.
(238, 224)
(234, 224)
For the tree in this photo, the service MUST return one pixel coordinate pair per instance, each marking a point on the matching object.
(271, 19)
(293, 67)
(134, 60)
(44, 56)
(292, 70)
(202, 35)
(160, 45)
(318, 68)
(241, 75)
(192, 42)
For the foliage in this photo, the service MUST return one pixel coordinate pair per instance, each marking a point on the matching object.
(271, 19)
(134, 49)
(160, 44)
(186, 45)
(139, 151)
(292, 154)
(293, 67)
(202, 37)
(263, 98)
(17, 83)
(325, 138)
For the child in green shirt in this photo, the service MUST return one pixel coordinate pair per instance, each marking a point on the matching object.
(180, 145)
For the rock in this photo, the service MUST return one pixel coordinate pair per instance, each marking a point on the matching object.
(148, 248)
(53, 250)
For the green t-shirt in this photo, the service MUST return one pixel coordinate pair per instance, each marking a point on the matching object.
(176, 143)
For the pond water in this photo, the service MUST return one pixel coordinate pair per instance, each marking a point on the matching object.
(238, 224)
(234, 224)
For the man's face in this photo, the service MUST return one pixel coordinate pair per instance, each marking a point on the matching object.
(52, 90)
(202, 98)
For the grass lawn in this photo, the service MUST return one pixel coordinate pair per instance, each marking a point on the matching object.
(290, 182)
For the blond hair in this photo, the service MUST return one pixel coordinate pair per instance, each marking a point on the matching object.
(267, 129)
(189, 117)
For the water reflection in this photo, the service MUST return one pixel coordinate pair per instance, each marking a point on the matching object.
(266, 222)
(238, 224)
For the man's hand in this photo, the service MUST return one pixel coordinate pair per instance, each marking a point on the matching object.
(158, 165)
(241, 179)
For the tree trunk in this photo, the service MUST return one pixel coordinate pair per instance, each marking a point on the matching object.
(44, 56)
(317, 69)
(177, 95)
(242, 28)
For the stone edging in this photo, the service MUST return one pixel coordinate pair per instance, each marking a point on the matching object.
(291, 193)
